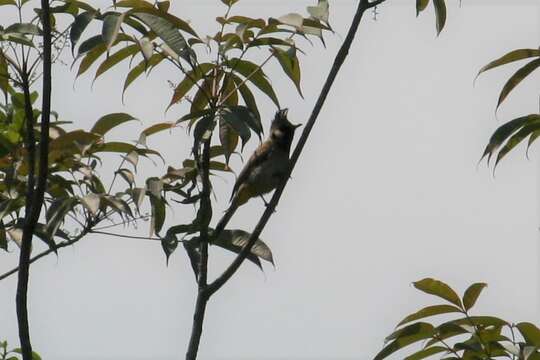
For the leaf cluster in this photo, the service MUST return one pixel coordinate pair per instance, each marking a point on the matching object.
(467, 336)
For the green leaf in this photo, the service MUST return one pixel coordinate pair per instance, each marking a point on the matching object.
(4, 74)
(189, 81)
(236, 240)
(290, 65)
(292, 19)
(530, 333)
(166, 30)
(90, 58)
(116, 147)
(438, 288)
(175, 21)
(516, 139)
(512, 56)
(472, 294)
(425, 353)
(90, 44)
(8, 2)
(515, 79)
(228, 139)
(23, 28)
(409, 335)
(429, 311)
(503, 132)
(421, 6)
(111, 27)
(255, 75)
(237, 123)
(151, 130)
(134, 4)
(158, 214)
(110, 121)
(440, 14)
(140, 69)
(79, 25)
(194, 254)
(17, 38)
(3, 238)
(56, 214)
(203, 129)
(116, 58)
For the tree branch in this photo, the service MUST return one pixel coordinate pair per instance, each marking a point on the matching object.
(338, 62)
(32, 213)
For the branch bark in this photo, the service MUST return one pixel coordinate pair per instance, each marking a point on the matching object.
(33, 211)
(338, 62)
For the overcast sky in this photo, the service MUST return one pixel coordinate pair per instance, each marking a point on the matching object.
(386, 192)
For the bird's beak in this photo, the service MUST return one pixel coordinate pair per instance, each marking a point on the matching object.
(297, 126)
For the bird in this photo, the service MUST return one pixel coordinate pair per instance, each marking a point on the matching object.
(268, 164)
(265, 168)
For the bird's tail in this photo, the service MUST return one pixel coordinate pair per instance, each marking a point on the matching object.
(220, 226)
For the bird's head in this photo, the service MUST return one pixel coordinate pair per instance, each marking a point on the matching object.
(282, 129)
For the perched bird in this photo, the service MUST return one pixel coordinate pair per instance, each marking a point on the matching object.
(269, 163)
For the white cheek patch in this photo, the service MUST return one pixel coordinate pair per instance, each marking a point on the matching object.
(278, 133)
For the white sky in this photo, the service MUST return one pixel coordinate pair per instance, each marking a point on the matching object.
(387, 192)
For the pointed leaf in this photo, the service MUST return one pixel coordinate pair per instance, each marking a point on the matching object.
(440, 14)
(79, 25)
(110, 121)
(421, 5)
(512, 56)
(236, 240)
(116, 58)
(438, 288)
(407, 336)
(255, 75)
(521, 74)
(429, 311)
(530, 333)
(472, 294)
(91, 202)
(166, 30)
(111, 27)
(425, 353)
(140, 69)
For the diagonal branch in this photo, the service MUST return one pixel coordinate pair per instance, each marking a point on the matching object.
(338, 62)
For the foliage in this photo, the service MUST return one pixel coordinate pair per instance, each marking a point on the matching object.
(509, 135)
(14, 354)
(467, 336)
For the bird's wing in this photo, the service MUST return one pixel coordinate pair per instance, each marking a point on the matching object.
(259, 156)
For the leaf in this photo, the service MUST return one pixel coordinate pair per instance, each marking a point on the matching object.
(290, 65)
(255, 75)
(8, 2)
(158, 214)
(189, 81)
(472, 294)
(406, 336)
(440, 14)
(116, 147)
(111, 27)
(4, 74)
(233, 119)
(91, 202)
(175, 21)
(17, 38)
(292, 19)
(151, 130)
(56, 214)
(515, 79)
(138, 196)
(140, 69)
(320, 12)
(116, 58)
(512, 56)
(90, 44)
(228, 139)
(147, 47)
(134, 4)
(505, 131)
(3, 238)
(421, 5)
(516, 139)
(194, 255)
(203, 129)
(166, 30)
(236, 240)
(438, 288)
(110, 121)
(169, 244)
(425, 353)
(127, 175)
(90, 58)
(429, 311)
(23, 28)
(79, 25)
(530, 333)
(247, 96)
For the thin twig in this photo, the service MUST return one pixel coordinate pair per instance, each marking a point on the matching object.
(124, 236)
